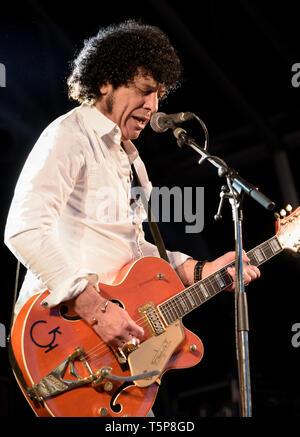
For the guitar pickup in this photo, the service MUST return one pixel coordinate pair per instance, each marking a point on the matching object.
(152, 317)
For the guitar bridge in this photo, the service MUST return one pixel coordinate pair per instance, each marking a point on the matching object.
(53, 384)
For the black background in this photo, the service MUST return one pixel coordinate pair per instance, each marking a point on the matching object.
(238, 57)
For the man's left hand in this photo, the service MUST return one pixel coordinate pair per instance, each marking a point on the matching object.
(186, 270)
(250, 272)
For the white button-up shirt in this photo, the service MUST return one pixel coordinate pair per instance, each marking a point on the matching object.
(70, 221)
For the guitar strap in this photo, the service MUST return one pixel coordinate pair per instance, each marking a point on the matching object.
(152, 223)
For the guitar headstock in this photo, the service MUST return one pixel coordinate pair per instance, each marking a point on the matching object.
(288, 228)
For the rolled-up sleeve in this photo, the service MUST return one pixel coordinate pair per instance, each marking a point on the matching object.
(45, 183)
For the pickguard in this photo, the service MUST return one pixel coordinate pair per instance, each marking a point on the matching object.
(154, 353)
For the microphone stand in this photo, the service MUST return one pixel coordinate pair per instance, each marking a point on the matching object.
(235, 190)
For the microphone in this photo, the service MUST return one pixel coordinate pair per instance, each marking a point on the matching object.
(161, 122)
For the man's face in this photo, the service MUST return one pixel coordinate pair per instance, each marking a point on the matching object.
(131, 106)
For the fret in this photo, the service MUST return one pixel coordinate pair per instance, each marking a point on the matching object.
(228, 279)
(274, 243)
(220, 280)
(172, 314)
(196, 296)
(178, 305)
(181, 301)
(174, 311)
(185, 302)
(204, 291)
(192, 297)
(252, 258)
(260, 258)
(271, 251)
(265, 251)
(209, 286)
(165, 313)
(175, 307)
(223, 278)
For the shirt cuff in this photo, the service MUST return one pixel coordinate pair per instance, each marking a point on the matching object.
(70, 288)
(177, 258)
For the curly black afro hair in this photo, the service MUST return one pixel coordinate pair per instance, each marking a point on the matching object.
(117, 53)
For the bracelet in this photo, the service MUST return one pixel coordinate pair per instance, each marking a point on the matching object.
(103, 309)
(94, 321)
(198, 270)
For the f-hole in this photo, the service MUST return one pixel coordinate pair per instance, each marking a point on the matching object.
(117, 302)
(117, 408)
(67, 313)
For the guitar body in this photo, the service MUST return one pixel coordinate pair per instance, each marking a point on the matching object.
(70, 372)
(45, 342)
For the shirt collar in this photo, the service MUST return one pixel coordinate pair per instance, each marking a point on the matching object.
(104, 126)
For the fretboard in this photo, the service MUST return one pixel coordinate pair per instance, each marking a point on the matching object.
(192, 297)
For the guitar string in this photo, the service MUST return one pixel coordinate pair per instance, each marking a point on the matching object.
(173, 307)
(100, 347)
(95, 354)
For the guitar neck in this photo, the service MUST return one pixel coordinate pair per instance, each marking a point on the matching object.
(192, 297)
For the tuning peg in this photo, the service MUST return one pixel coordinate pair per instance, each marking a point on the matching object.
(288, 208)
(276, 215)
(283, 213)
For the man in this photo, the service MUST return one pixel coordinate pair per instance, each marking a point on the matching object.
(60, 224)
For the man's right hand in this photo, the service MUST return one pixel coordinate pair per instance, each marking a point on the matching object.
(114, 325)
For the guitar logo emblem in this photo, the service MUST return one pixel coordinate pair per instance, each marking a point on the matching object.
(49, 346)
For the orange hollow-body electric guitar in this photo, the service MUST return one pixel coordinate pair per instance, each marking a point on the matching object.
(65, 370)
